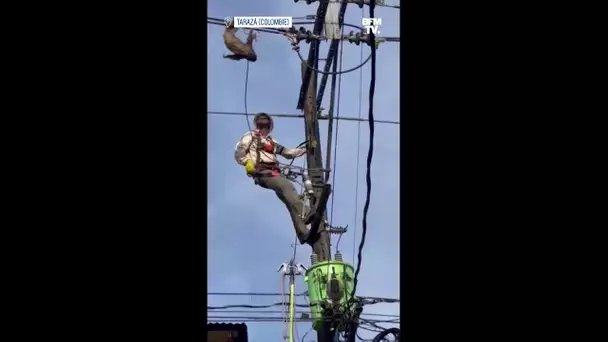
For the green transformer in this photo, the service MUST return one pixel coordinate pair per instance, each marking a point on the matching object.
(330, 291)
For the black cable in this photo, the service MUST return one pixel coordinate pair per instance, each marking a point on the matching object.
(363, 315)
(358, 146)
(331, 72)
(395, 331)
(255, 306)
(372, 320)
(251, 294)
(370, 153)
(303, 337)
(295, 248)
(299, 116)
(279, 318)
(370, 328)
(367, 300)
(254, 319)
(254, 311)
(357, 2)
(220, 22)
(333, 177)
(246, 86)
(373, 324)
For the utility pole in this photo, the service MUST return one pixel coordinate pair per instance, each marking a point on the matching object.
(315, 161)
(291, 270)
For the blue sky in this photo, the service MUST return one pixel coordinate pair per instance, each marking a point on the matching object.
(249, 230)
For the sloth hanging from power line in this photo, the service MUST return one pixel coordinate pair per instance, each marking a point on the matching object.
(239, 49)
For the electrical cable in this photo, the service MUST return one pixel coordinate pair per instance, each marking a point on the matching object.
(303, 294)
(364, 316)
(394, 331)
(295, 247)
(331, 72)
(370, 328)
(254, 306)
(303, 337)
(256, 320)
(357, 2)
(279, 319)
(296, 312)
(299, 116)
(368, 300)
(358, 150)
(357, 173)
(220, 22)
(296, 48)
(334, 168)
(246, 86)
(370, 154)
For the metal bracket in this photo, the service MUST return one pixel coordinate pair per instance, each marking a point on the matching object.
(291, 268)
(334, 229)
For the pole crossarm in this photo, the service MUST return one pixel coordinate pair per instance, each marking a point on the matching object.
(352, 37)
(360, 3)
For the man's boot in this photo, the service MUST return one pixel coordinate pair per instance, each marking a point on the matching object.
(303, 238)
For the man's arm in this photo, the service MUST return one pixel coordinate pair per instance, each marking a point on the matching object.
(242, 148)
(288, 152)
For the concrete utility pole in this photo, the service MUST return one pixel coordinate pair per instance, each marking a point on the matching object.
(291, 270)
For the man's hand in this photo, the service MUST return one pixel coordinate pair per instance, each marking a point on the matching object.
(300, 152)
(249, 167)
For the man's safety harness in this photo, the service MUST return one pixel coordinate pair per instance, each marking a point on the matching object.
(264, 169)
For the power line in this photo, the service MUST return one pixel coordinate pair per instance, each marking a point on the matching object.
(246, 86)
(367, 299)
(254, 306)
(303, 337)
(280, 319)
(358, 2)
(350, 38)
(251, 294)
(333, 178)
(358, 148)
(363, 315)
(263, 320)
(299, 116)
(370, 152)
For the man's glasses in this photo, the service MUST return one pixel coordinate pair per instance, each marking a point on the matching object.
(263, 125)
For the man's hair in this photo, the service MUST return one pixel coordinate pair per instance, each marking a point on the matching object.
(263, 120)
(262, 116)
